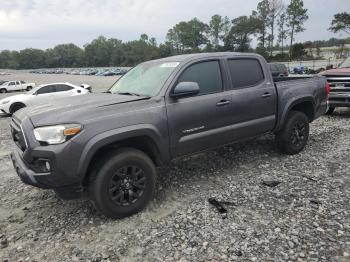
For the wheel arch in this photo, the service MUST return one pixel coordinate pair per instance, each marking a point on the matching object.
(146, 140)
(17, 103)
(305, 105)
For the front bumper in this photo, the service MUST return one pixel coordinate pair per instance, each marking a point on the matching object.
(4, 110)
(27, 175)
(63, 160)
(339, 100)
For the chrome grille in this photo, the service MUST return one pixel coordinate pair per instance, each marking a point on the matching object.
(339, 83)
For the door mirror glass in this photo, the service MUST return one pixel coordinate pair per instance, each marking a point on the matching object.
(185, 89)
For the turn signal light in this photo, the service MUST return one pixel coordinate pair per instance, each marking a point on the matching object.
(71, 131)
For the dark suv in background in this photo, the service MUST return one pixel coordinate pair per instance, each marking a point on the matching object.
(278, 69)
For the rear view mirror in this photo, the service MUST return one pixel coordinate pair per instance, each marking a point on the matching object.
(185, 89)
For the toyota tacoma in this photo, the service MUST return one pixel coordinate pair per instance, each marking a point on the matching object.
(108, 145)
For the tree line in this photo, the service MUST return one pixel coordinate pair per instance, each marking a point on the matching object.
(273, 24)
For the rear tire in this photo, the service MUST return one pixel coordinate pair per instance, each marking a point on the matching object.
(330, 110)
(294, 134)
(29, 88)
(123, 184)
(3, 91)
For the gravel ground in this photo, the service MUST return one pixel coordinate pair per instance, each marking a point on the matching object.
(306, 217)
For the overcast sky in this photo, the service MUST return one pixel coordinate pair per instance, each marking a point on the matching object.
(45, 23)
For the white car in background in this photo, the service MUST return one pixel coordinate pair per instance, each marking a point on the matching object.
(17, 85)
(40, 95)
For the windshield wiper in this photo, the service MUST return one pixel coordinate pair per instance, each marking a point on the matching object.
(128, 94)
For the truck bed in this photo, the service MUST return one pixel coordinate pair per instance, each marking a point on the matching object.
(291, 89)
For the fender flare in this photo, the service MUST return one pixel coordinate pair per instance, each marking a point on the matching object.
(288, 107)
(118, 135)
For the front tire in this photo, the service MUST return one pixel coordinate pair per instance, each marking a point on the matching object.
(3, 91)
(330, 110)
(123, 184)
(294, 134)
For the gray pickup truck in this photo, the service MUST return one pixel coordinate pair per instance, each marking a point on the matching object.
(109, 144)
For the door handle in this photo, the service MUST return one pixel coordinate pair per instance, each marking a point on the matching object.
(265, 95)
(223, 103)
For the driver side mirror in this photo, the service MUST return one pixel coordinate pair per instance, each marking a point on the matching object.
(183, 89)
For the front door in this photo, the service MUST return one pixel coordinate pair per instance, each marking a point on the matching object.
(197, 122)
(43, 95)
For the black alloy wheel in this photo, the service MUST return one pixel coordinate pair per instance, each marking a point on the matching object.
(298, 133)
(127, 185)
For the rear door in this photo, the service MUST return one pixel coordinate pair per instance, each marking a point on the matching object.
(63, 90)
(18, 86)
(253, 98)
(198, 122)
(11, 86)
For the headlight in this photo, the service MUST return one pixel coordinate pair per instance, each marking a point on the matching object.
(56, 134)
(5, 102)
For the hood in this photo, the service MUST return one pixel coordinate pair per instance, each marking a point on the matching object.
(15, 97)
(337, 72)
(76, 109)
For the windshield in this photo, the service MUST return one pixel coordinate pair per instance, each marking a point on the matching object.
(346, 63)
(145, 79)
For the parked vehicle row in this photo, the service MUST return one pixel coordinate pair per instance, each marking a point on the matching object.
(109, 144)
(18, 85)
(82, 71)
(42, 94)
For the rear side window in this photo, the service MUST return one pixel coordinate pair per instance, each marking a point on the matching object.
(206, 74)
(245, 72)
(46, 89)
(62, 88)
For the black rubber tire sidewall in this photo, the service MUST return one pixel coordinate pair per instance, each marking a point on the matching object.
(283, 139)
(3, 91)
(98, 188)
(15, 108)
(330, 110)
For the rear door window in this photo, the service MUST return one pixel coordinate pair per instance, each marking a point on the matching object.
(62, 88)
(245, 72)
(206, 74)
(46, 89)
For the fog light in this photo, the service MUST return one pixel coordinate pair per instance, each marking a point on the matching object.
(47, 165)
(41, 166)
